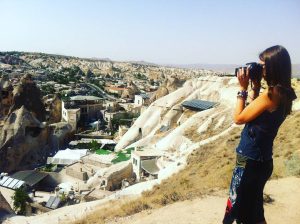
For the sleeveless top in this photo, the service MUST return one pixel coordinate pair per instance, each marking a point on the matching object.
(258, 135)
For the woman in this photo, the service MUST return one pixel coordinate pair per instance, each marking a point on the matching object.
(262, 118)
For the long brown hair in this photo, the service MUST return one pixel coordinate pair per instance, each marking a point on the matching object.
(278, 75)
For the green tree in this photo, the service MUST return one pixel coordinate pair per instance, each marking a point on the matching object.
(48, 89)
(89, 74)
(20, 198)
(94, 145)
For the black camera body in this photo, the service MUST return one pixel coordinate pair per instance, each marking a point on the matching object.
(255, 70)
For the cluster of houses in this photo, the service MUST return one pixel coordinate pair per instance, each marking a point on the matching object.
(75, 175)
(88, 168)
(76, 171)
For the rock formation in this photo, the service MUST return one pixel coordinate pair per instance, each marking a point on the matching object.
(169, 85)
(53, 107)
(59, 134)
(23, 141)
(27, 94)
(131, 91)
(181, 126)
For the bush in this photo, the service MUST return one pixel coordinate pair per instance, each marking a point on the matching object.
(48, 89)
(94, 145)
(20, 198)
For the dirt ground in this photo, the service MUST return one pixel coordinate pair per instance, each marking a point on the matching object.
(210, 210)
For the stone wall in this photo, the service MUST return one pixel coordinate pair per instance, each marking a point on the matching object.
(114, 179)
(92, 161)
(79, 174)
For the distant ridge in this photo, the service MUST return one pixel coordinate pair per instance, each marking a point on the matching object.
(226, 68)
(229, 68)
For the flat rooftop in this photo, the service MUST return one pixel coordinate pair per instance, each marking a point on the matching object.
(147, 152)
(81, 97)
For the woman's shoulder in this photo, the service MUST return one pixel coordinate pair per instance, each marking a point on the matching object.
(271, 99)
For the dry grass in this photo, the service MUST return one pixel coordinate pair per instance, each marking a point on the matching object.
(286, 145)
(209, 170)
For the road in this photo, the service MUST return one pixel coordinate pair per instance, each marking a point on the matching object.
(98, 89)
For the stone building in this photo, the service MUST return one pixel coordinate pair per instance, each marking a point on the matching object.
(114, 176)
(83, 109)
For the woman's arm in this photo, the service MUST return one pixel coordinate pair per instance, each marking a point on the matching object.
(244, 114)
(253, 94)
(255, 90)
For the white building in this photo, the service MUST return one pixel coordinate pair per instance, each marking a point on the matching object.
(71, 116)
(67, 157)
(144, 163)
(141, 100)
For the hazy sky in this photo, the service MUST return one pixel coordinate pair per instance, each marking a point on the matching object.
(159, 31)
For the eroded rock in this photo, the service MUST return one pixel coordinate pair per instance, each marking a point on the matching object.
(23, 141)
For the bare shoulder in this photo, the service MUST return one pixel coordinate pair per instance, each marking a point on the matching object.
(271, 102)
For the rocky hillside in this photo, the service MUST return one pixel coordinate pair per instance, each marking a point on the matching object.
(43, 64)
(198, 152)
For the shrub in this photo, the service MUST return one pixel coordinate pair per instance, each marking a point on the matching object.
(94, 145)
(20, 198)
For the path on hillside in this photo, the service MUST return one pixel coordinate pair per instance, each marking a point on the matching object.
(210, 210)
(98, 89)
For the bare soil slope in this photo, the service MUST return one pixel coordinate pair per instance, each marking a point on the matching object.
(210, 209)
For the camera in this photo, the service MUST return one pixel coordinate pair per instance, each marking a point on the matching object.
(255, 70)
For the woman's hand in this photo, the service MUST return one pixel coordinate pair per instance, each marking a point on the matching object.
(243, 77)
(256, 84)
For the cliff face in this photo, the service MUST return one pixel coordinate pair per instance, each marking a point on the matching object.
(169, 85)
(27, 94)
(165, 124)
(24, 138)
(23, 141)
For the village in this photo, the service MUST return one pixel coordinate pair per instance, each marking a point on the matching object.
(86, 168)
(88, 115)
